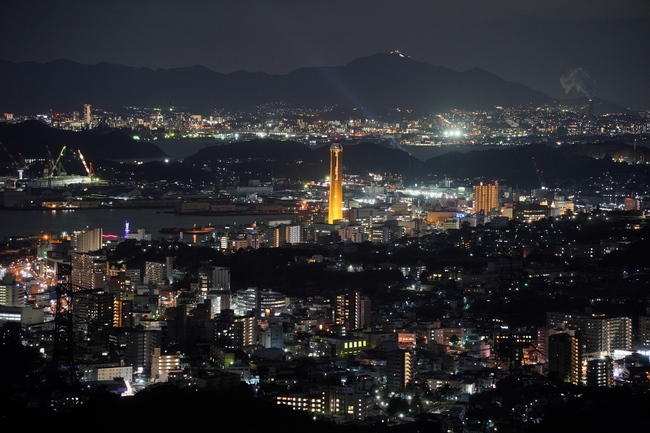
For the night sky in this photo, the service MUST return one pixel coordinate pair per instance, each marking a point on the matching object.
(532, 42)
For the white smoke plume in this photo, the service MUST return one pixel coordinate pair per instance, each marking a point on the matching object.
(579, 79)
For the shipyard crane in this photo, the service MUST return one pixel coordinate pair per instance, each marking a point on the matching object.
(19, 165)
(58, 165)
(88, 170)
(441, 117)
(11, 157)
(49, 154)
(49, 167)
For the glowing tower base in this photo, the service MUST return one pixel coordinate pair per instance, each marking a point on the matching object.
(336, 184)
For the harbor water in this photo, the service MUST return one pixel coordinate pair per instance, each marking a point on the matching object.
(111, 221)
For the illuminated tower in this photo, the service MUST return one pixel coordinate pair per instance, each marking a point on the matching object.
(336, 184)
(486, 198)
(88, 117)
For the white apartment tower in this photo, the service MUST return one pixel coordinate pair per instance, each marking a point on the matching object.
(155, 272)
(88, 117)
(88, 240)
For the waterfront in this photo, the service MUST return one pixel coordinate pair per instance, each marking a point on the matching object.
(112, 221)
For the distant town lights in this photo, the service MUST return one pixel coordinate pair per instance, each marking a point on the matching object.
(453, 133)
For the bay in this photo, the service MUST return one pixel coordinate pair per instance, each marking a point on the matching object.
(14, 223)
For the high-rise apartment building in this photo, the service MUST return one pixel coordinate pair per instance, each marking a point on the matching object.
(88, 240)
(87, 271)
(93, 311)
(258, 301)
(364, 312)
(353, 233)
(351, 310)
(643, 330)
(221, 278)
(219, 300)
(399, 370)
(336, 184)
(155, 272)
(602, 335)
(88, 117)
(163, 363)
(122, 313)
(486, 198)
(599, 372)
(272, 336)
(293, 234)
(140, 346)
(564, 357)
(12, 296)
(235, 332)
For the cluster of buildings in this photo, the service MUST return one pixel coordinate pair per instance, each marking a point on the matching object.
(430, 340)
(131, 323)
(337, 354)
(340, 353)
(502, 125)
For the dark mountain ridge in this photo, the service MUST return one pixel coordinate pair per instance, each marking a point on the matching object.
(374, 84)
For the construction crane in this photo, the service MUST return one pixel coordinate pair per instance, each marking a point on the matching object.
(20, 166)
(49, 167)
(441, 117)
(88, 170)
(49, 154)
(58, 165)
(11, 157)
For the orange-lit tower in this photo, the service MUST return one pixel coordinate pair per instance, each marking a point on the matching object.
(486, 197)
(336, 184)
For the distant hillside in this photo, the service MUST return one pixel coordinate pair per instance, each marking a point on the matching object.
(373, 85)
(263, 159)
(518, 166)
(31, 139)
(514, 166)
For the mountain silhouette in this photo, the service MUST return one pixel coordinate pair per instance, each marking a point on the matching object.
(371, 85)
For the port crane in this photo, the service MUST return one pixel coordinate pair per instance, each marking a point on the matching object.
(89, 169)
(11, 157)
(56, 167)
(20, 166)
